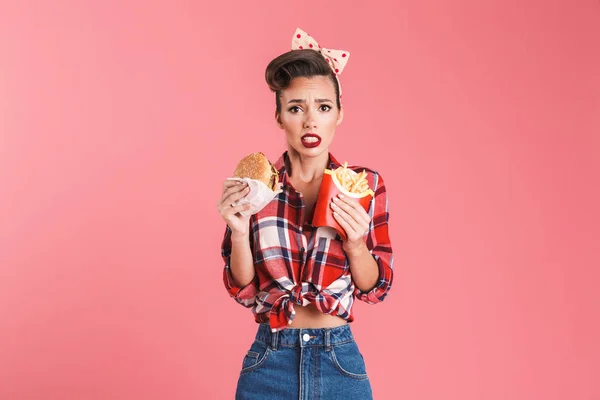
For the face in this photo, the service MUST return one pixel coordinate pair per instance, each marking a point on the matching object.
(309, 115)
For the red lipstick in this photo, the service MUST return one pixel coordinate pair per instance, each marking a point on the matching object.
(311, 140)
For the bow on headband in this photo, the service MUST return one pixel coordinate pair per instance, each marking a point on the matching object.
(336, 59)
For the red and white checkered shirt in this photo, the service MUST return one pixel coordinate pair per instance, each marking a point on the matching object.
(293, 269)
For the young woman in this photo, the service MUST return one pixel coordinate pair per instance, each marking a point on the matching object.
(301, 281)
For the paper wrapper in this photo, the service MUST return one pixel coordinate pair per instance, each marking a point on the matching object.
(258, 197)
(330, 188)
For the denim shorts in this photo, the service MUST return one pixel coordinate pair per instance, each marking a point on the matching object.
(304, 364)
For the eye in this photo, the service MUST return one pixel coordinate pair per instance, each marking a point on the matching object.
(328, 108)
(292, 109)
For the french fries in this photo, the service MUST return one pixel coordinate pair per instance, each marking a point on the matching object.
(350, 180)
(341, 180)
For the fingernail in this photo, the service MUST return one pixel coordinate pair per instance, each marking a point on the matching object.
(335, 199)
(341, 196)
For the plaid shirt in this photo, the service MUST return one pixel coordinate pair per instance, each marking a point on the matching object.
(291, 269)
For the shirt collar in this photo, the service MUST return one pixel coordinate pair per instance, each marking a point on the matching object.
(280, 166)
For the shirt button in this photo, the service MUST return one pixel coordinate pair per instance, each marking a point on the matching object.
(306, 337)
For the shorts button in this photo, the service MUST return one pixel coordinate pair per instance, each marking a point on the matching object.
(306, 337)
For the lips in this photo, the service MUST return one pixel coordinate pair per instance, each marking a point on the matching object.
(311, 140)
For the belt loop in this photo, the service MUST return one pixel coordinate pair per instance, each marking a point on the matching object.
(327, 339)
(274, 337)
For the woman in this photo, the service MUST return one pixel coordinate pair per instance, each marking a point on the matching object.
(301, 281)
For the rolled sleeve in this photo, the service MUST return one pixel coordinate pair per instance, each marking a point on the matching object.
(245, 295)
(379, 245)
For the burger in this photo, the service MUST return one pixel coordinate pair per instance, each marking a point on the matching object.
(257, 166)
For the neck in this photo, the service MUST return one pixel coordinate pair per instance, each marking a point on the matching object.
(306, 169)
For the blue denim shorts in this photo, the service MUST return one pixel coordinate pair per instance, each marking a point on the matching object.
(304, 364)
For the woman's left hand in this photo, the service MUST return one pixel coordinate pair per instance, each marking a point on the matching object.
(353, 218)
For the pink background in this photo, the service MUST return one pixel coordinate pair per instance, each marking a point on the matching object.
(119, 120)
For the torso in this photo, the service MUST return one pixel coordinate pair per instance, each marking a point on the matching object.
(309, 316)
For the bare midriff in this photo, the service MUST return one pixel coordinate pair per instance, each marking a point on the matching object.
(310, 317)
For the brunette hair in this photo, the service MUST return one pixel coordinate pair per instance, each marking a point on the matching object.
(298, 63)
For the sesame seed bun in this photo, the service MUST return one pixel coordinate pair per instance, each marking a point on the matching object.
(257, 166)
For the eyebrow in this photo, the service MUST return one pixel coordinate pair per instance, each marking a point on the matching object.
(316, 101)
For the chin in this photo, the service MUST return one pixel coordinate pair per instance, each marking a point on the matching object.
(314, 151)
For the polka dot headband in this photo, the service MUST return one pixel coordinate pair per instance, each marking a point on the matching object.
(336, 59)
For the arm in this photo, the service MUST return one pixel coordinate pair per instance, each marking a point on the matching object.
(376, 257)
(239, 274)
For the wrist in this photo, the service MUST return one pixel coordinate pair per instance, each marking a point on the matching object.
(354, 248)
(240, 237)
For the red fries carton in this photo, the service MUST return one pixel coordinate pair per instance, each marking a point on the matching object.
(330, 188)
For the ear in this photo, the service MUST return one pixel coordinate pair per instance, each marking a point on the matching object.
(278, 119)
(340, 116)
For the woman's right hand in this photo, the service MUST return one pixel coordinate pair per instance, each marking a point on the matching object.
(232, 192)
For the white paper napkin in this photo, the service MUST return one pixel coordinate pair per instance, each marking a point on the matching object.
(258, 197)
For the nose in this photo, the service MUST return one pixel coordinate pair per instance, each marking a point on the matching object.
(309, 121)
